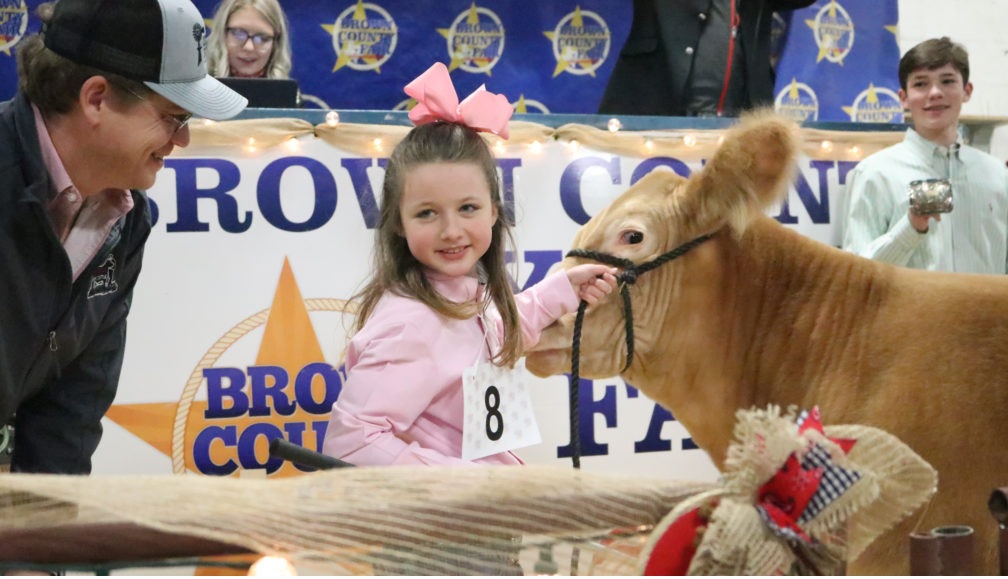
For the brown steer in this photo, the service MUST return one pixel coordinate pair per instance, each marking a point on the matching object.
(761, 314)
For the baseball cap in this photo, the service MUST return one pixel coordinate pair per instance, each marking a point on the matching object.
(159, 42)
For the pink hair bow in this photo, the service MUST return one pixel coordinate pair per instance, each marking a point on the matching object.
(437, 101)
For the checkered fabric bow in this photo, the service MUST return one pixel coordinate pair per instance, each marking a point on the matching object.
(795, 498)
(805, 484)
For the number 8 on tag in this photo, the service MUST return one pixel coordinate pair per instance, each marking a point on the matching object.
(492, 399)
(497, 414)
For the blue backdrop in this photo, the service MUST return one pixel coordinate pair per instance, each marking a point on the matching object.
(837, 60)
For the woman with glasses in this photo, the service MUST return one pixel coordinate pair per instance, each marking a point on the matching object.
(250, 39)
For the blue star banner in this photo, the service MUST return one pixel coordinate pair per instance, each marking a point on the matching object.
(545, 57)
(839, 61)
(836, 60)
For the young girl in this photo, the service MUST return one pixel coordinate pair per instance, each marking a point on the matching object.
(440, 300)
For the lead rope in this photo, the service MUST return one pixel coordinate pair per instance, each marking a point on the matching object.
(575, 377)
(626, 278)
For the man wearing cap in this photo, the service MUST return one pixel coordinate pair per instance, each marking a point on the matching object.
(105, 93)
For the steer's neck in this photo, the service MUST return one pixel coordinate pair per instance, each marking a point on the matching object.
(814, 307)
(759, 325)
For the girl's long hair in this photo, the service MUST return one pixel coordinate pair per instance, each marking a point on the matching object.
(395, 268)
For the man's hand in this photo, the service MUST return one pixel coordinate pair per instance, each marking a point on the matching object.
(922, 222)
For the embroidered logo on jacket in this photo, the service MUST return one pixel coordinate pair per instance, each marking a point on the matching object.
(103, 281)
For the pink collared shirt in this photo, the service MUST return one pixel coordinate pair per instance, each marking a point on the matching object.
(80, 224)
(402, 400)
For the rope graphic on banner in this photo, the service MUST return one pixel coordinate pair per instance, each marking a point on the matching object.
(210, 358)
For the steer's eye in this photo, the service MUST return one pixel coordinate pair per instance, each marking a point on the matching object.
(632, 237)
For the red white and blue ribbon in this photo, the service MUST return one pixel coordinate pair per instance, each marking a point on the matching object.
(804, 486)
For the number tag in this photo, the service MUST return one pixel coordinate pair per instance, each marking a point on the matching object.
(498, 414)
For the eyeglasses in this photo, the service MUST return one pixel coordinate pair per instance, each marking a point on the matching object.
(179, 120)
(241, 36)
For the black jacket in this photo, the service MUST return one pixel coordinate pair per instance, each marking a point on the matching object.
(61, 342)
(656, 60)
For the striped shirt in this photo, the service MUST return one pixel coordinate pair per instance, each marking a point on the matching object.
(972, 238)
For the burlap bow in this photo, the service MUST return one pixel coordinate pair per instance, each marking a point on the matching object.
(796, 498)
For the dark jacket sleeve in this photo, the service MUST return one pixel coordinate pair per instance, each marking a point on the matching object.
(652, 67)
(58, 428)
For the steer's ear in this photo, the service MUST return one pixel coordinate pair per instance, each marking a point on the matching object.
(750, 171)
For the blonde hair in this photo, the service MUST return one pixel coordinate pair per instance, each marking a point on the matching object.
(395, 267)
(279, 64)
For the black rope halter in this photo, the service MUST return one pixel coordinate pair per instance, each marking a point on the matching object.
(626, 278)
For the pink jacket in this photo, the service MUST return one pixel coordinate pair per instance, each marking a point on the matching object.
(402, 400)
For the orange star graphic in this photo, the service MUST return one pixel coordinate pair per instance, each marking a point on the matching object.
(272, 400)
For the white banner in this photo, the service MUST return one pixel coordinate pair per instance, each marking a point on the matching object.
(237, 327)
